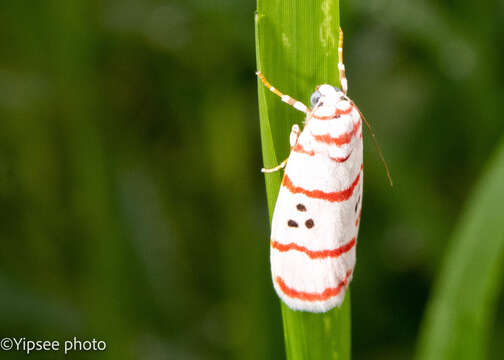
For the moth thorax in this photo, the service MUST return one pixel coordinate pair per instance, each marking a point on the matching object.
(329, 93)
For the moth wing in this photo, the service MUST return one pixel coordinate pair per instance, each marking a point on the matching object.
(313, 239)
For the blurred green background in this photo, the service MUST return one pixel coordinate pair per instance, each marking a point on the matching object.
(132, 206)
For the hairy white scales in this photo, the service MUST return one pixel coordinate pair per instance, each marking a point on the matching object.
(334, 222)
(316, 218)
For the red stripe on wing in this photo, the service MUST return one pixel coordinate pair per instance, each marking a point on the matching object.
(308, 296)
(336, 196)
(315, 254)
(336, 114)
(301, 150)
(343, 139)
(358, 218)
(341, 159)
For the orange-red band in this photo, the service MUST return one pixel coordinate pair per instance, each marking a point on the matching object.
(315, 254)
(301, 150)
(343, 139)
(341, 159)
(307, 296)
(336, 196)
(336, 114)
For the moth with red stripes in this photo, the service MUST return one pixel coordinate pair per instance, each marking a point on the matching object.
(316, 217)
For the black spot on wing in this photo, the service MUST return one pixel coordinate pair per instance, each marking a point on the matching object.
(309, 223)
(292, 223)
(301, 207)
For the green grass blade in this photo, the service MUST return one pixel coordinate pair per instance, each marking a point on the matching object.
(318, 336)
(458, 319)
(296, 47)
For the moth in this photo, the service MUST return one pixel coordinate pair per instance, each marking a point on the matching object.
(316, 217)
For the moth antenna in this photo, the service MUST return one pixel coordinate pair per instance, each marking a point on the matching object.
(298, 105)
(380, 154)
(341, 66)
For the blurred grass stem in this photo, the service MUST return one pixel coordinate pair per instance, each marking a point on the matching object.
(296, 48)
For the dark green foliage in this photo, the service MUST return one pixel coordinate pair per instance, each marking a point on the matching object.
(463, 305)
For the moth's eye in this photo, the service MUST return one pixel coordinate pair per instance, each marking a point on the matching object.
(337, 89)
(315, 98)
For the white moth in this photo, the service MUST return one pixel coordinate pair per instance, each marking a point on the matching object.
(316, 217)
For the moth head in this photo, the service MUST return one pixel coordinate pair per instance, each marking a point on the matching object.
(326, 94)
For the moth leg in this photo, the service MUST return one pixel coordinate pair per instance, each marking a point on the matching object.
(294, 135)
(276, 168)
(285, 98)
(293, 138)
(341, 66)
